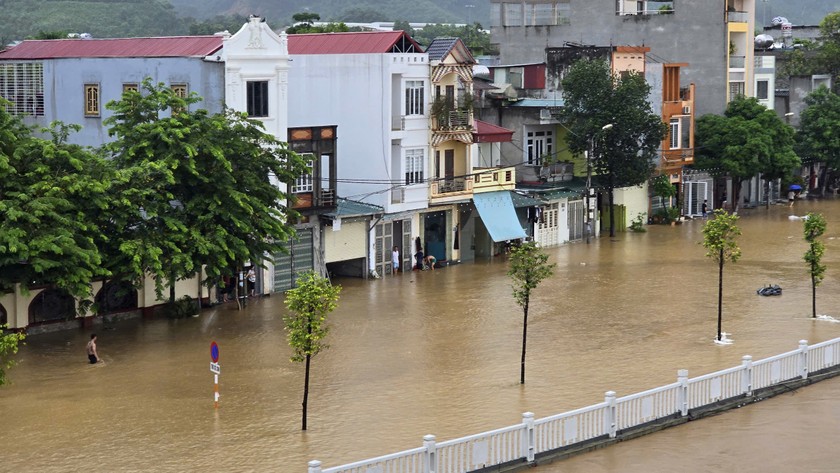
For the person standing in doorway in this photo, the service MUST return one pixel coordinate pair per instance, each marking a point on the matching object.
(395, 260)
(705, 208)
(252, 281)
(93, 357)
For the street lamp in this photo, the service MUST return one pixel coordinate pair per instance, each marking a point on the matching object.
(589, 153)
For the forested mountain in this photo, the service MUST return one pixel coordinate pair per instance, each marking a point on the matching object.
(21, 19)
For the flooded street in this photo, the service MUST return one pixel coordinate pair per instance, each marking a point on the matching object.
(429, 352)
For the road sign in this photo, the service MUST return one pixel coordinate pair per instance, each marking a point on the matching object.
(214, 352)
(215, 368)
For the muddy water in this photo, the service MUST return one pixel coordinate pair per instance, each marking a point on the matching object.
(431, 352)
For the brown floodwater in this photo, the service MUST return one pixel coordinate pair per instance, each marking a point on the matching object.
(420, 353)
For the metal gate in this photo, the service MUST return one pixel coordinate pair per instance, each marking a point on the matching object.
(385, 242)
(548, 228)
(695, 193)
(577, 216)
(301, 257)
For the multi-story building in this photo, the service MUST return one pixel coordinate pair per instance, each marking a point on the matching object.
(715, 37)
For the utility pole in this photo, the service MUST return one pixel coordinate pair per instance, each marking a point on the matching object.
(589, 154)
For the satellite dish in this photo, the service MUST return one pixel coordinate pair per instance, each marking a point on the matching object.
(764, 41)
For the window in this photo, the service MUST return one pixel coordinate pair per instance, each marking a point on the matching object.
(303, 183)
(495, 14)
(256, 93)
(414, 97)
(761, 92)
(735, 89)
(130, 87)
(539, 144)
(22, 84)
(413, 166)
(180, 90)
(674, 129)
(513, 14)
(91, 100)
(543, 14)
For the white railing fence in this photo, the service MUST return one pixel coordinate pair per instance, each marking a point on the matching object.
(603, 420)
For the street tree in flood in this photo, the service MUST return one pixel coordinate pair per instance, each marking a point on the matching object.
(746, 140)
(194, 190)
(814, 228)
(51, 194)
(9, 342)
(308, 304)
(610, 117)
(719, 239)
(528, 267)
(819, 124)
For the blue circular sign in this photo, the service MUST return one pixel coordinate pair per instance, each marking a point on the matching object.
(214, 352)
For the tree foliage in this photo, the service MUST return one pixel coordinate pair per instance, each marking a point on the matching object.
(720, 240)
(748, 139)
(194, 189)
(475, 38)
(814, 227)
(51, 198)
(9, 342)
(229, 23)
(594, 97)
(819, 128)
(528, 268)
(309, 304)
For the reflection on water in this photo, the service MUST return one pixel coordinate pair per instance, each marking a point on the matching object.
(431, 352)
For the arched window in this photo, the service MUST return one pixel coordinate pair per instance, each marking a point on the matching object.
(116, 296)
(50, 305)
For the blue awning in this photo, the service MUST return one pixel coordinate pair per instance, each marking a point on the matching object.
(499, 216)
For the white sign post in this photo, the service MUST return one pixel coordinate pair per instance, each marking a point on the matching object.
(216, 370)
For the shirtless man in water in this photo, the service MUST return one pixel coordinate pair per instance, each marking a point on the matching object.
(91, 349)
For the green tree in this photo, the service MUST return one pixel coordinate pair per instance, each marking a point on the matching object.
(595, 98)
(720, 240)
(194, 189)
(51, 197)
(475, 38)
(663, 189)
(9, 342)
(814, 228)
(309, 304)
(528, 268)
(746, 140)
(231, 23)
(818, 126)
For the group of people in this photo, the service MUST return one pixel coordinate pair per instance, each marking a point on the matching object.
(246, 281)
(424, 262)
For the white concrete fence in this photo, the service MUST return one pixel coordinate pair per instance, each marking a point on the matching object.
(521, 442)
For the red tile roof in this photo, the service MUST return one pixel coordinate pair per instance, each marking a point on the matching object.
(366, 42)
(173, 46)
(490, 133)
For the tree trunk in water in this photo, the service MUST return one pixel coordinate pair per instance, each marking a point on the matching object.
(813, 293)
(823, 180)
(720, 296)
(172, 288)
(736, 195)
(612, 213)
(305, 393)
(524, 340)
(767, 194)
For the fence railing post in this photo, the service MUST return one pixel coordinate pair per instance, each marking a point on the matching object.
(431, 454)
(609, 416)
(682, 396)
(314, 466)
(746, 375)
(803, 358)
(528, 437)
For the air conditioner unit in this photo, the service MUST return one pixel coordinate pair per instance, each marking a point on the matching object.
(545, 114)
(686, 110)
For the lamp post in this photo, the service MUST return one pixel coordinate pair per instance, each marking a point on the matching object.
(589, 153)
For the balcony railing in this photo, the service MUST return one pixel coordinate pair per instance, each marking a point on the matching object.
(454, 120)
(451, 186)
(738, 17)
(737, 62)
(397, 123)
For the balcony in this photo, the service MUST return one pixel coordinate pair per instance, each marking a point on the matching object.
(453, 120)
(314, 200)
(495, 179)
(397, 123)
(737, 17)
(450, 187)
(737, 62)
